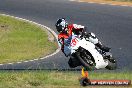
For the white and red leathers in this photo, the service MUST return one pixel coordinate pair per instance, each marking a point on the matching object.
(67, 33)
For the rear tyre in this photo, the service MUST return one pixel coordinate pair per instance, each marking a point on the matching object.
(112, 64)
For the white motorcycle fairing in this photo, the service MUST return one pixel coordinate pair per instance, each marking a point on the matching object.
(76, 42)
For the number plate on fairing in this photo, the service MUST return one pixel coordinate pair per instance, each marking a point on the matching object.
(74, 42)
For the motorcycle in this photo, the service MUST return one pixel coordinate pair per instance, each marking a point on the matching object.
(83, 52)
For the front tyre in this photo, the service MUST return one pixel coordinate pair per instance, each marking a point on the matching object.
(86, 58)
(74, 62)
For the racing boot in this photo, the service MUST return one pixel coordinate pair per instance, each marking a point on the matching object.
(104, 48)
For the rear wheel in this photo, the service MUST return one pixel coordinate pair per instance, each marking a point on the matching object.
(112, 64)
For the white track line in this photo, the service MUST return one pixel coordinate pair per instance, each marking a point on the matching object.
(50, 30)
(102, 3)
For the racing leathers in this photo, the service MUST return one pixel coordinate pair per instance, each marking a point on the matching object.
(65, 36)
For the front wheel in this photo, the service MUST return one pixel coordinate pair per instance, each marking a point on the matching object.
(73, 62)
(86, 59)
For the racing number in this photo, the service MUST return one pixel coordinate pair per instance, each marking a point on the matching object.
(74, 42)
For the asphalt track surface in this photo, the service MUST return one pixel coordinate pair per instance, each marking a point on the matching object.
(112, 25)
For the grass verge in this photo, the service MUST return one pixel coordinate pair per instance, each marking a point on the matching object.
(21, 41)
(116, 2)
(54, 79)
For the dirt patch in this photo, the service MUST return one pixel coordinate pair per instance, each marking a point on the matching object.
(51, 37)
(109, 2)
(4, 27)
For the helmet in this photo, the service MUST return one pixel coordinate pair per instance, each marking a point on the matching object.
(61, 24)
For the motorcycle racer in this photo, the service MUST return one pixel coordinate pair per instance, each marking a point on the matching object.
(65, 34)
(65, 31)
